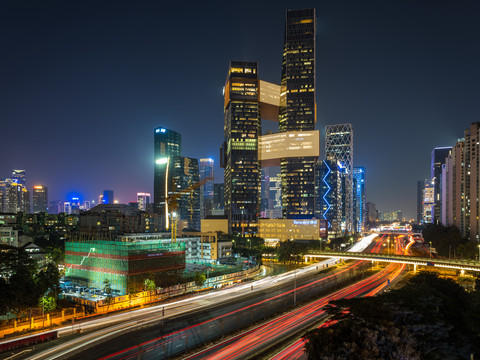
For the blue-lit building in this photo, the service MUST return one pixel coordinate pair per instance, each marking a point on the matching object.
(328, 191)
(358, 198)
(108, 197)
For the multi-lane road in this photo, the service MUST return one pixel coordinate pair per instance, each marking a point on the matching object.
(162, 331)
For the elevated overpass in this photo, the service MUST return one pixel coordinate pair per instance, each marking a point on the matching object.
(466, 265)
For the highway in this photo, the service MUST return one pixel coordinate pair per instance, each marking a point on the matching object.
(145, 325)
(295, 351)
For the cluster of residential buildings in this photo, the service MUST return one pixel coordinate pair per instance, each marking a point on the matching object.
(451, 196)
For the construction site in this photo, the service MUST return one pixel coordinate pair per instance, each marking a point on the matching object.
(123, 265)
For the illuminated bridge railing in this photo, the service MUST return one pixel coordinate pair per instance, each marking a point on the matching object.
(468, 265)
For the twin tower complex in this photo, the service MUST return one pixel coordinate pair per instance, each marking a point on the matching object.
(310, 189)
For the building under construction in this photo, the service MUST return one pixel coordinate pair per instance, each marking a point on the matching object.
(125, 263)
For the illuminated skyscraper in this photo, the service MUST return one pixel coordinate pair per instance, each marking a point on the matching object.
(239, 155)
(339, 146)
(40, 199)
(206, 191)
(358, 198)
(19, 177)
(439, 154)
(143, 200)
(328, 202)
(108, 197)
(298, 111)
(167, 143)
(184, 173)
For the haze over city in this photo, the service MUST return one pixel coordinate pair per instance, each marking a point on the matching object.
(84, 85)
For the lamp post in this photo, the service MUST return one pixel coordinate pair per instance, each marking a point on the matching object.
(430, 249)
(249, 244)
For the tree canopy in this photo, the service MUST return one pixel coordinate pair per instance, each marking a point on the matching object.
(21, 285)
(429, 318)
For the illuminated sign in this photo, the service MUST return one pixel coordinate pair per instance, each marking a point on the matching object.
(304, 222)
(160, 130)
(161, 161)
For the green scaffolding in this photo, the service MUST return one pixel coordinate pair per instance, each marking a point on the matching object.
(124, 264)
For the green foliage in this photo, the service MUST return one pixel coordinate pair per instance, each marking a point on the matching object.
(445, 239)
(48, 303)
(199, 279)
(150, 285)
(469, 250)
(429, 318)
(290, 251)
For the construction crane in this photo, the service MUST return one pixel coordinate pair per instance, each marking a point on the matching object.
(172, 204)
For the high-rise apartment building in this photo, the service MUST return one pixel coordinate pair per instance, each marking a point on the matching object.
(420, 191)
(167, 143)
(143, 200)
(239, 154)
(358, 199)
(339, 146)
(439, 154)
(298, 111)
(206, 190)
(40, 199)
(462, 183)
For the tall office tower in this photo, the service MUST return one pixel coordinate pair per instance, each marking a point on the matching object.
(339, 146)
(428, 202)
(239, 153)
(108, 197)
(3, 194)
(19, 177)
(206, 191)
(40, 199)
(185, 173)
(328, 202)
(420, 191)
(371, 213)
(298, 111)
(271, 194)
(143, 199)
(218, 196)
(167, 143)
(358, 199)
(439, 154)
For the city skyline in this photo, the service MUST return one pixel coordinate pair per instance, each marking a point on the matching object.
(85, 89)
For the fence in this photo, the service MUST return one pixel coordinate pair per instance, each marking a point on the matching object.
(86, 308)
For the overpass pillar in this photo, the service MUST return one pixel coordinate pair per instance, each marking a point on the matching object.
(414, 268)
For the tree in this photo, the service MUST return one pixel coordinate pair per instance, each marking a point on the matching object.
(20, 287)
(429, 318)
(48, 303)
(199, 279)
(150, 285)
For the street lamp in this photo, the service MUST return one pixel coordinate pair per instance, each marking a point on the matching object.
(430, 249)
(249, 244)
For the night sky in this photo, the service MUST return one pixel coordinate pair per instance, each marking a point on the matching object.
(83, 84)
